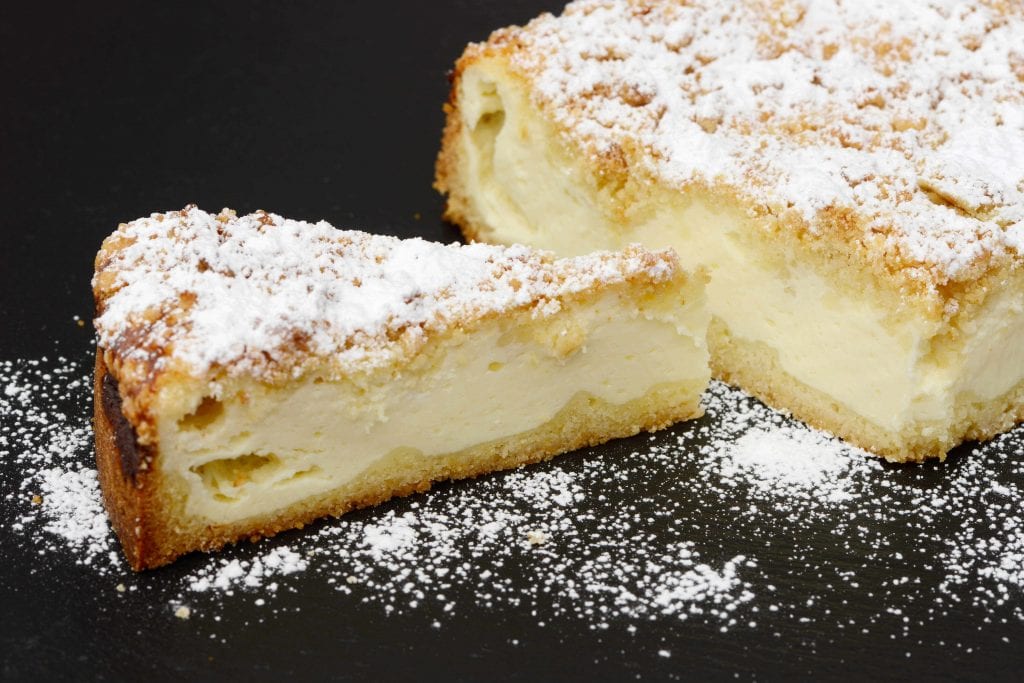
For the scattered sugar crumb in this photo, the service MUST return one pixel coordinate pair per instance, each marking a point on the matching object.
(642, 536)
(536, 537)
(183, 612)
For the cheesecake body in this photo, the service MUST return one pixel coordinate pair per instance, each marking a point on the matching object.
(255, 373)
(862, 241)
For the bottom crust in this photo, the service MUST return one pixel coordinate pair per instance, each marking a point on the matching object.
(150, 522)
(755, 367)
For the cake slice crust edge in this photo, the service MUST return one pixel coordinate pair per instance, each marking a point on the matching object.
(141, 515)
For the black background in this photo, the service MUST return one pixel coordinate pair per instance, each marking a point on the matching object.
(314, 111)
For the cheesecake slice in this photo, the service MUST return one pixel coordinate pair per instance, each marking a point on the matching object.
(850, 174)
(255, 373)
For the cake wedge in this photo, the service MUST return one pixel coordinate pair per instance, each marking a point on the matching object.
(850, 174)
(255, 373)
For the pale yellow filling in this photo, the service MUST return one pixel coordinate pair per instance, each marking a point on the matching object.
(258, 449)
(835, 339)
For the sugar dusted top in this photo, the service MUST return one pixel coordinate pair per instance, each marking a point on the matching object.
(259, 294)
(903, 118)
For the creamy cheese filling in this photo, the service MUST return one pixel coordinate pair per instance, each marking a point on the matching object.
(260, 448)
(891, 372)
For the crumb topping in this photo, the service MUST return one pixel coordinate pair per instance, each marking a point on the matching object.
(260, 294)
(908, 114)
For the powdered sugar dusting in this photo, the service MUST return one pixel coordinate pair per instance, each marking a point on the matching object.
(260, 293)
(230, 575)
(425, 556)
(909, 113)
(800, 462)
(45, 434)
(73, 510)
(744, 519)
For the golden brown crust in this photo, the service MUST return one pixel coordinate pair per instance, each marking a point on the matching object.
(128, 497)
(154, 530)
(458, 205)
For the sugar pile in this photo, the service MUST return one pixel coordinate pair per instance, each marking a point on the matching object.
(743, 519)
(48, 481)
(801, 462)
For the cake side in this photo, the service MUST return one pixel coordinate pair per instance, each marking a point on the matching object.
(879, 340)
(149, 543)
(128, 490)
(264, 459)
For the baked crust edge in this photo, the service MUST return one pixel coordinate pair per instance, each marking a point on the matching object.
(154, 530)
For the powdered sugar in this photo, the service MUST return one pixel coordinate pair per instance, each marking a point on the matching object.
(910, 113)
(388, 540)
(44, 429)
(744, 519)
(529, 521)
(960, 513)
(229, 575)
(73, 510)
(260, 293)
(800, 462)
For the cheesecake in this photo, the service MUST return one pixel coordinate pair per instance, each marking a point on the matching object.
(849, 174)
(255, 373)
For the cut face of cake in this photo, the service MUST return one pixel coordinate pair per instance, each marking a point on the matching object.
(256, 373)
(850, 174)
